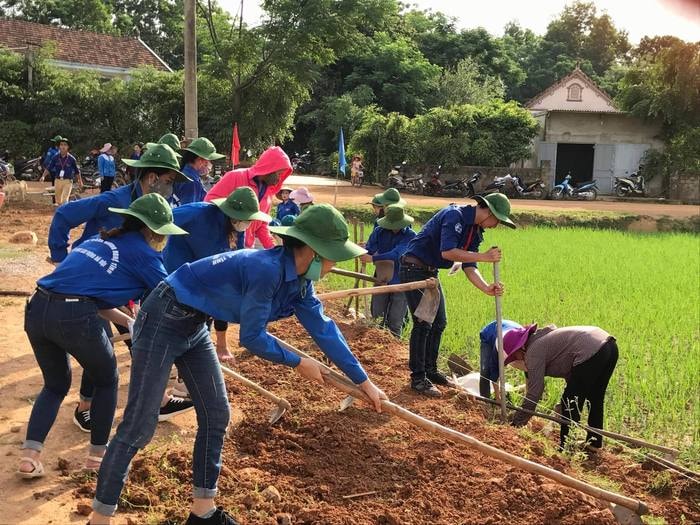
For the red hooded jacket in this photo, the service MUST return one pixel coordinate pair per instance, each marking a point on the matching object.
(272, 159)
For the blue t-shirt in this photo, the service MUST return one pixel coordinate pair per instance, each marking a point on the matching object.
(68, 165)
(93, 212)
(106, 165)
(255, 287)
(113, 271)
(385, 245)
(488, 336)
(287, 208)
(207, 226)
(53, 150)
(451, 227)
(188, 192)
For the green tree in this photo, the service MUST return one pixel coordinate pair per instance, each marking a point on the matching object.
(89, 15)
(466, 85)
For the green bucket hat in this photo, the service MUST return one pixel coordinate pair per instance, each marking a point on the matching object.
(169, 139)
(499, 206)
(202, 147)
(57, 138)
(395, 218)
(242, 205)
(388, 197)
(159, 156)
(325, 231)
(154, 211)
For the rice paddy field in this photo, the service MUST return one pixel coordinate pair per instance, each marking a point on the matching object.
(642, 288)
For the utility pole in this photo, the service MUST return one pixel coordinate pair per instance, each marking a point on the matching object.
(191, 126)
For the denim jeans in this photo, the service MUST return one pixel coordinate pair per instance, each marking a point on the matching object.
(391, 308)
(168, 332)
(424, 344)
(58, 327)
(87, 389)
(488, 359)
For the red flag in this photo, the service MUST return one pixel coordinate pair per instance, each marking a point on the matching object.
(235, 146)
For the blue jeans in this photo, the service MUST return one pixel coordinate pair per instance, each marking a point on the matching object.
(391, 308)
(424, 344)
(168, 332)
(488, 367)
(58, 326)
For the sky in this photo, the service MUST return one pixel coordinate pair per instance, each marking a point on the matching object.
(679, 18)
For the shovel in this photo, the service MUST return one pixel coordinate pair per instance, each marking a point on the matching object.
(632, 507)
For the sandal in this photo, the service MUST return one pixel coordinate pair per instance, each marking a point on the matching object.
(37, 472)
(95, 460)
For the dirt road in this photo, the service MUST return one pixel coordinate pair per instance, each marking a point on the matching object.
(324, 190)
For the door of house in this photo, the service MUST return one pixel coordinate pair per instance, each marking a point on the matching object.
(604, 167)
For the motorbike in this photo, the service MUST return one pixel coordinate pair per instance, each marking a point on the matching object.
(471, 191)
(302, 163)
(459, 188)
(497, 186)
(28, 169)
(7, 170)
(514, 187)
(587, 191)
(398, 179)
(631, 185)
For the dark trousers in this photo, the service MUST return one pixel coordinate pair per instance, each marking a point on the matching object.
(58, 328)
(589, 381)
(106, 184)
(87, 388)
(425, 339)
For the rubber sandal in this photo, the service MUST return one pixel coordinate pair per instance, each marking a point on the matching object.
(94, 459)
(37, 472)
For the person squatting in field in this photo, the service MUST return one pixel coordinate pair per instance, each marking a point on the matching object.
(62, 320)
(585, 356)
(249, 287)
(452, 235)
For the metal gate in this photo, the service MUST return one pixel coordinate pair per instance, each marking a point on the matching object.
(603, 166)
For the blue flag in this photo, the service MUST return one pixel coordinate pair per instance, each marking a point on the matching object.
(342, 163)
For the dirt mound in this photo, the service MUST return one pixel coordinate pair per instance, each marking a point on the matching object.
(320, 466)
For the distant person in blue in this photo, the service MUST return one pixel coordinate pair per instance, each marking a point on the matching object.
(159, 170)
(249, 287)
(62, 319)
(452, 235)
(196, 164)
(488, 354)
(215, 227)
(63, 170)
(135, 155)
(53, 150)
(106, 167)
(287, 206)
(388, 242)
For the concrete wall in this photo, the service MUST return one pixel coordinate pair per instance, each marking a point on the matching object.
(600, 128)
(684, 187)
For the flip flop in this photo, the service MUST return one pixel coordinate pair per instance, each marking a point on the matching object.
(37, 472)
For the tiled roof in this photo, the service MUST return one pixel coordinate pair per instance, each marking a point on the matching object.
(551, 100)
(80, 47)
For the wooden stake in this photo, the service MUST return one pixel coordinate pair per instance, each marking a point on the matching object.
(360, 494)
(377, 290)
(499, 340)
(342, 383)
(356, 275)
(15, 293)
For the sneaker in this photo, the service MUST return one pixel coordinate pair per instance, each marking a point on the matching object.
(175, 406)
(220, 517)
(438, 378)
(179, 389)
(425, 387)
(82, 419)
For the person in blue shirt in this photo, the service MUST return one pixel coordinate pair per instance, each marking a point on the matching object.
(196, 163)
(452, 235)
(106, 167)
(62, 319)
(135, 155)
(388, 242)
(53, 149)
(160, 169)
(287, 206)
(62, 169)
(488, 354)
(214, 227)
(249, 287)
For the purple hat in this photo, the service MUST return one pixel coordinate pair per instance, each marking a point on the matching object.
(515, 339)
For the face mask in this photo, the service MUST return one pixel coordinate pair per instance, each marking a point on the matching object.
(157, 242)
(314, 271)
(205, 168)
(165, 189)
(240, 226)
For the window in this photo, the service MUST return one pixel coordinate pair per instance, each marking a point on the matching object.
(574, 93)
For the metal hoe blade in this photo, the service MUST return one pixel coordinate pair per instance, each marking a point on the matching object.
(277, 414)
(346, 403)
